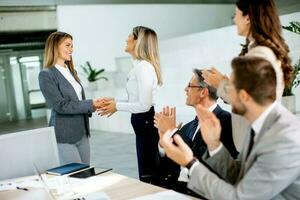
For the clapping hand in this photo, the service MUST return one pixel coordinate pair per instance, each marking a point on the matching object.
(213, 77)
(165, 120)
(210, 127)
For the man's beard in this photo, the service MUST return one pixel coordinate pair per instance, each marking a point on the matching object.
(239, 109)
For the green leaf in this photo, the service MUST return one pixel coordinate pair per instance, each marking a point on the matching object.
(99, 72)
(92, 74)
(293, 27)
(288, 90)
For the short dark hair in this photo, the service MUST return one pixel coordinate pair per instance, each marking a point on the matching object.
(211, 90)
(256, 76)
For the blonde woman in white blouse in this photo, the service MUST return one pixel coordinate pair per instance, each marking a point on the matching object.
(142, 84)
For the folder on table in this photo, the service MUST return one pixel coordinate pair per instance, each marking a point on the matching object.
(66, 169)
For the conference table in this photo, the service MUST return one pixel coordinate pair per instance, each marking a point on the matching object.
(115, 186)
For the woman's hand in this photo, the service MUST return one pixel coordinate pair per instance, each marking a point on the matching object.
(213, 77)
(108, 108)
(98, 103)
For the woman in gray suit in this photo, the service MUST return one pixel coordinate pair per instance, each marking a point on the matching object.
(63, 92)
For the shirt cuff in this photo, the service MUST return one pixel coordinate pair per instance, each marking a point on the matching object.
(161, 151)
(169, 133)
(183, 175)
(193, 167)
(121, 106)
(214, 152)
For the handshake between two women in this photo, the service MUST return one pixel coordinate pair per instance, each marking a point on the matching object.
(105, 106)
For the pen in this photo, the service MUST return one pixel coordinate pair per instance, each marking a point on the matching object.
(22, 188)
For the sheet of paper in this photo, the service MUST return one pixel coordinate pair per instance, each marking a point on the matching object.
(169, 194)
(32, 181)
(94, 196)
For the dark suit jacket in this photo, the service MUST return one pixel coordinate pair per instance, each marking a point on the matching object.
(169, 170)
(69, 115)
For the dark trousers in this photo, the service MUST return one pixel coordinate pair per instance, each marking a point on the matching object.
(146, 144)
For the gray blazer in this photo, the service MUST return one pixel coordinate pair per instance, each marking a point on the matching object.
(69, 115)
(272, 170)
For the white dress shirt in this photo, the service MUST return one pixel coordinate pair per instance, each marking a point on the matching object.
(67, 74)
(141, 88)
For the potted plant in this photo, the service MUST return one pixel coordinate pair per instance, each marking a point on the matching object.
(93, 75)
(289, 99)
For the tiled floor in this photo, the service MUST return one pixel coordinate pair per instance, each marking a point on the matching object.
(114, 150)
(108, 149)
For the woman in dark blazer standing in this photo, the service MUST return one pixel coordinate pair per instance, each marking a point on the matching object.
(142, 84)
(64, 94)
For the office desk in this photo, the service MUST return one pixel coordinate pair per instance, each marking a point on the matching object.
(118, 188)
(128, 188)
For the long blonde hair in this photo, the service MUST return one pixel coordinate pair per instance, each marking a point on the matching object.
(51, 51)
(146, 48)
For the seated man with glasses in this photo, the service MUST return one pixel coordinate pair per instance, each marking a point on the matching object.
(171, 175)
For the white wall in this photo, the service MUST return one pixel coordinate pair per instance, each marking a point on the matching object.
(100, 31)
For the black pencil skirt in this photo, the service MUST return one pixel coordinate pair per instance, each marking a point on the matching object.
(146, 144)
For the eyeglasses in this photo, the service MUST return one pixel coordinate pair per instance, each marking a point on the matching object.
(194, 86)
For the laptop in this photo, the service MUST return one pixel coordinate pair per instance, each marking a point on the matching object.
(45, 186)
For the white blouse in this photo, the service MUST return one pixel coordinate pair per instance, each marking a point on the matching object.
(68, 75)
(141, 88)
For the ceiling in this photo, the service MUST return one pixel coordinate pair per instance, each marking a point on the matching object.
(285, 6)
(68, 2)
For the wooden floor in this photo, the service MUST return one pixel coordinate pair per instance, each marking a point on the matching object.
(22, 125)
